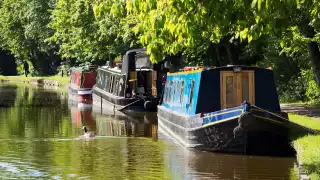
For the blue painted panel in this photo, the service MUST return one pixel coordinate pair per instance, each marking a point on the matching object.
(223, 114)
(177, 98)
(232, 113)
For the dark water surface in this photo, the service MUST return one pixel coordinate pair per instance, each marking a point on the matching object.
(40, 137)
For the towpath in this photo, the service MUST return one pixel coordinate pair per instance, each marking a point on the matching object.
(301, 109)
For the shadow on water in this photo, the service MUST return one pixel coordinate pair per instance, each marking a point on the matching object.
(38, 139)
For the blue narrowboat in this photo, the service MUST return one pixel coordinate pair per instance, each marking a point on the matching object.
(228, 109)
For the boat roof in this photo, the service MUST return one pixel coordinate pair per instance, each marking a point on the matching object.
(85, 68)
(136, 50)
(196, 69)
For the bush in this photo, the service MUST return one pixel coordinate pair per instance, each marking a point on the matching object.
(312, 90)
(292, 91)
(302, 87)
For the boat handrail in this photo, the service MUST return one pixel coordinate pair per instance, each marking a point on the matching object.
(111, 70)
(307, 128)
(270, 113)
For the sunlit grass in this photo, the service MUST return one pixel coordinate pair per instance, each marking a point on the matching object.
(309, 122)
(61, 80)
(308, 153)
(308, 147)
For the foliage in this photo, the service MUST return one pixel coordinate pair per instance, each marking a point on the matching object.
(312, 90)
(91, 30)
(23, 31)
(268, 33)
(307, 147)
(308, 154)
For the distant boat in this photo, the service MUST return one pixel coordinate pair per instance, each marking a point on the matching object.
(134, 84)
(81, 82)
(228, 109)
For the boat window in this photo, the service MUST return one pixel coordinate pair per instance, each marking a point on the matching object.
(167, 91)
(170, 92)
(245, 87)
(174, 90)
(191, 93)
(178, 87)
(181, 91)
(111, 84)
(230, 90)
(143, 61)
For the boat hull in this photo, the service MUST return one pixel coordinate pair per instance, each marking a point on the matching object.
(81, 96)
(107, 100)
(256, 136)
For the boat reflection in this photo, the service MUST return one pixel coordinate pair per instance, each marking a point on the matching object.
(113, 123)
(192, 164)
(81, 115)
(123, 125)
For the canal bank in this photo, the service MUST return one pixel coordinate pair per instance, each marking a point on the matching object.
(57, 81)
(307, 147)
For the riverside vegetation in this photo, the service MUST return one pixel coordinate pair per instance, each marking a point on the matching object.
(55, 35)
(308, 147)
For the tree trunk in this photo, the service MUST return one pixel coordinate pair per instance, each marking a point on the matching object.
(315, 60)
(231, 53)
(217, 62)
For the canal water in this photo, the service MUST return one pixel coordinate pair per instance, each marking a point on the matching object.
(40, 138)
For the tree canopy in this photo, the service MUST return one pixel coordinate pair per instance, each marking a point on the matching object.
(200, 32)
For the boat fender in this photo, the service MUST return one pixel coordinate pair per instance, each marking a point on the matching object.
(148, 105)
(242, 123)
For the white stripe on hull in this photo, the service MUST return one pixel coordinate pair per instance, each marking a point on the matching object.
(84, 92)
(84, 106)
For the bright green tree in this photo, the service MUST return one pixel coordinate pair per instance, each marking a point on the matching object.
(91, 30)
(173, 26)
(23, 32)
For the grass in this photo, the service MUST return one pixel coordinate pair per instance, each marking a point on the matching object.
(309, 122)
(61, 80)
(308, 147)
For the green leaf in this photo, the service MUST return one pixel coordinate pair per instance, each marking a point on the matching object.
(282, 43)
(249, 38)
(254, 3)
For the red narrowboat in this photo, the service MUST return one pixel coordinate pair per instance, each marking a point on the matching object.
(81, 82)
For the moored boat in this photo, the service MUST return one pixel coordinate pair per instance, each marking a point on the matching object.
(81, 82)
(229, 109)
(132, 85)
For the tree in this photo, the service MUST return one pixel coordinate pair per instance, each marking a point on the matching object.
(23, 31)
(91, 30)
(172, 26)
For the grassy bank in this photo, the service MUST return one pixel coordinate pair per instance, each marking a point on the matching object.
(308, 147)
(61, 80)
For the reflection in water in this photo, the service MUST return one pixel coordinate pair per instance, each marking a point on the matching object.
(204, 165)
(120, 125)
(38, 139)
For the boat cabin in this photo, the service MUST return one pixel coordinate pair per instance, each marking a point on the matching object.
(135, 75)
(200, 90)
(83, 77)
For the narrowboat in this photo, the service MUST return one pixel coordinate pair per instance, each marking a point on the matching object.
(134, 84)
(81, 82)
(228, 109)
